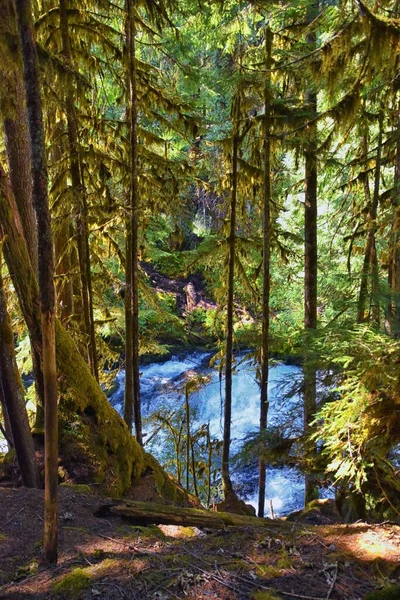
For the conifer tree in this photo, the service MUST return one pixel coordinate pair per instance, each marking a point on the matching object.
(266, 264)
(132, 381)
(310, 240)
(225, 471)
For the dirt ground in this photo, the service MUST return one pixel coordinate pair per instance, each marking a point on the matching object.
(112, 559)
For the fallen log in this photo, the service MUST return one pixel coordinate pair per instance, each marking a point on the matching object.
(147, 513)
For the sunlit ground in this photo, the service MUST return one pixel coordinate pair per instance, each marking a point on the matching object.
(371, 544)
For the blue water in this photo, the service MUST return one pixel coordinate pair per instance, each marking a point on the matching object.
(162, 387)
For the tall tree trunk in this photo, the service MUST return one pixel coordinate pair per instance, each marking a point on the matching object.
(46, 274)
(364, 281)
(79, 194)
(370, 271)
(393, 309)
(394, 252)
(14, 400)
(264, 403)
(188, 440)
(132, 408)
(310, 248)
(225, 471)
(209, 465)
(16, 131)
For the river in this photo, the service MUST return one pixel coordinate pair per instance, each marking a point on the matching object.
(162, 389)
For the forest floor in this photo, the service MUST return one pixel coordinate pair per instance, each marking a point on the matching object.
(113, 559)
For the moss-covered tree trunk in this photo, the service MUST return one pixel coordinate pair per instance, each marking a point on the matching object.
(79, 194)
(132, 408)
(266, 267)
(13, 397)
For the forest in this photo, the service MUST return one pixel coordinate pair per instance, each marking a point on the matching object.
(200, 263)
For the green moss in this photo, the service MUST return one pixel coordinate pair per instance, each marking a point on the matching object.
(166, 487)
(28, 569)
(2, 537)
(146, 532)
(72, 584)
(105, 567)
(77, 487)
(264, 595)
(187, 532)
(91, 431)
(268, 571)
(389, 593)
(284, 561)
(9, 457)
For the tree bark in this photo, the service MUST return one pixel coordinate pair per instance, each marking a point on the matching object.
(264, 404)
(79, 194)
(394, 244)
(132, 408)
(225, 471)
(394, 250)
(46, 273)
(13, 395)
(188, 438)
